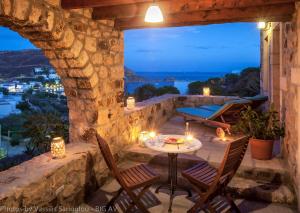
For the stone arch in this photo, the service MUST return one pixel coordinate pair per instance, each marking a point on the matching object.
(87, 55)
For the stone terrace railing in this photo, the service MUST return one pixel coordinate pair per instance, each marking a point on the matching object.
(44, 182)
(150, 114)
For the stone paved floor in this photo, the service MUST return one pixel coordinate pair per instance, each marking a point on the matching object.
(213, 148)
(158, 203)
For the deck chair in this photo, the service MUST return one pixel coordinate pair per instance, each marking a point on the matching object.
(210, 182)
(136, 177)
(257, 101)
(218, 116)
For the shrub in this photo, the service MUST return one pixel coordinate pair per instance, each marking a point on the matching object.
(40, 129)
(15, 141)
(260, 125)
(247, 83)
(167, 90)
(13, 122)
(4, 91)
(145, 92)
(23, 106)
(196, 88)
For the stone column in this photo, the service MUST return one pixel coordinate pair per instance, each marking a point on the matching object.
(87, 55)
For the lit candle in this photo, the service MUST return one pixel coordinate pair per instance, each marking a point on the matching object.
(189, 137)
(130, 103)
(206, 91)
(152, 134)
(221, 134)
(58, 149)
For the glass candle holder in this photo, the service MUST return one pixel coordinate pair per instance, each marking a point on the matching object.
(3, 152)
(58, 148)
(143, 137)
(206, 91)
(130, 103)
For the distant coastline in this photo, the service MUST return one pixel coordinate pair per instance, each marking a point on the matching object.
(180, 80)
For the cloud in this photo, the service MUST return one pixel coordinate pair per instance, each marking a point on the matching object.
(200, 47)
(203, 47)
(148, 50)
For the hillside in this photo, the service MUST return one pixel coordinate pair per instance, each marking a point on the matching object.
(17, 63)
(14, 64)
(130, 76)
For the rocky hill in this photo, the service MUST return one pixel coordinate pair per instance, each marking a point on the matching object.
(15, 64)
(20, 63)
(130, 76)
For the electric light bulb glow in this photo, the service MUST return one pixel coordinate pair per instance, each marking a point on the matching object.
(154, 14)
(261, 25)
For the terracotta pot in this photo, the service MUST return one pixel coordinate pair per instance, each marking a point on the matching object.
(261, 149)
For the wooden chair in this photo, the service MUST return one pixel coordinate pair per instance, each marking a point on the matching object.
(210, 182)
(140, 176)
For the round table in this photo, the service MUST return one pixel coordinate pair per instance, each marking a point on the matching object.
(158, 144)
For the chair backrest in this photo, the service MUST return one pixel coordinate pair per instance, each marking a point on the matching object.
(230, 108)
(233, 158)
(108, 157)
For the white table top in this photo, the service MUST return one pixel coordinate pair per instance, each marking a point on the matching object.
(158, 144)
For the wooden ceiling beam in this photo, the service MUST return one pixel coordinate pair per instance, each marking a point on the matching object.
(281, 12)
(178, 6)
(77, 4)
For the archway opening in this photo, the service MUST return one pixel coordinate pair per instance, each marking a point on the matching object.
(33, 105)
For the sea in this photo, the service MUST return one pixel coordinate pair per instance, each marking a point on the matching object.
(180, 80)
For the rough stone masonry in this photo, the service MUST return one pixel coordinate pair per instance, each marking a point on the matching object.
(87, 55)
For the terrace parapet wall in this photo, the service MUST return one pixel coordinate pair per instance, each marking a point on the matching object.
(44, 182)
(150, 114)
(47, 183)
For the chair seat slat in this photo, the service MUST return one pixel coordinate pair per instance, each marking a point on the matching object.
(211, 182)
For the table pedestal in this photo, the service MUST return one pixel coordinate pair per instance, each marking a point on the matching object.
(172, 180)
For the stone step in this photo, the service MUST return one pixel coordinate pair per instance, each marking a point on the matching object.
(269, 171)
(241, 187)
(262, 191)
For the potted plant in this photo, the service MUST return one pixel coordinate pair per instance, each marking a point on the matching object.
(263, 128)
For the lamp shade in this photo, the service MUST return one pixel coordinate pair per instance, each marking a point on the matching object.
(154, 14)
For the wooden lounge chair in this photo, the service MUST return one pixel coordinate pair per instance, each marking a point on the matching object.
(218, 116)
(136, 177)
(210, 182)
(257, 101)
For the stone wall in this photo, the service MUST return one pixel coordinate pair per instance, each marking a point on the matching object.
(87, 55)
(289, 83)
(150, 114)
(44, 182)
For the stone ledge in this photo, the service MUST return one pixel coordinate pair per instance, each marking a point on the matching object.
(40, 181)
(150, 102)
(196, 99)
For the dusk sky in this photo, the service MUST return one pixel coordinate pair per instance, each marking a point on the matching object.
(215, 48)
